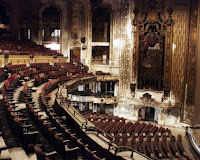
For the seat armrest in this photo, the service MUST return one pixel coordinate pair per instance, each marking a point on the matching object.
(65, 141)
(31, 132)
(24, 120)
(50, 154)
(72, 149)
(27, 125)
(59, 134)
(94, 152)
(48, 123)
(53, 128)
(64, 125)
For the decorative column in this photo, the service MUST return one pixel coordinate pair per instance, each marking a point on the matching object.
(124, 16)
(197, 62)
(192, 109)
(64, 28)
(40, 27)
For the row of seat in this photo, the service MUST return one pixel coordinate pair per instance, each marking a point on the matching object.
(40, 78)
(58, 138)
(86, 150)
(73, 67)
(149, 139)
(102, 73)
(28, 72)
(18, 121)
(48, 68)
(11, 82)
(16, 66)
(100, 117)
(15, 47)
(34, 65)
(56, 74)
(141, 129)
(180, 145)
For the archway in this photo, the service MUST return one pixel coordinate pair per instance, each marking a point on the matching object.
(75, 55)
(147, 114)
(51, 33)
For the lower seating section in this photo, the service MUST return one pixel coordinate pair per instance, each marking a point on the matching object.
(151, 140)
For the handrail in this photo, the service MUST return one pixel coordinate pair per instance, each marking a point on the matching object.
(193, 144)
(75, 112)
(97, 131)
(130, 149)
(85, 123)
(110, 143)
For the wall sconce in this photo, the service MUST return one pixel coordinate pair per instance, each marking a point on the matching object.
(84, 47)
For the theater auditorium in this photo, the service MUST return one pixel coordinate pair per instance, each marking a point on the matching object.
(99, 79)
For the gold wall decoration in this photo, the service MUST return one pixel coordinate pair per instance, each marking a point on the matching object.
(179, 51)
(192, 62)
(157, 29)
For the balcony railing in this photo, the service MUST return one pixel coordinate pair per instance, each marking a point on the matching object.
(100, 61)
(100, 39)
(52, 39)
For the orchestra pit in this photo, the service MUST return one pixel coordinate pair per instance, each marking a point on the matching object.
(99, 79)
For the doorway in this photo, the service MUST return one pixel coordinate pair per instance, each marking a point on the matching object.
(75, 55)
(146, 114)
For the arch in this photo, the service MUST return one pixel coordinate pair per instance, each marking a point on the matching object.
(59, 8)
(55, 28)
